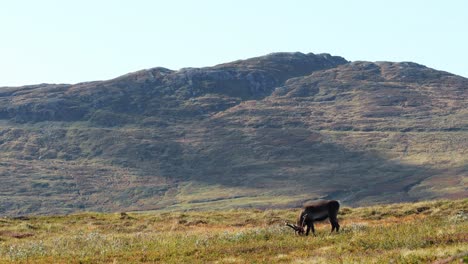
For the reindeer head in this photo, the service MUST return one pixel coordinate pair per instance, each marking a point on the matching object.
(299, 229)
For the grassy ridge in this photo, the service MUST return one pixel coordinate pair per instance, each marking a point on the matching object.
(402, 233)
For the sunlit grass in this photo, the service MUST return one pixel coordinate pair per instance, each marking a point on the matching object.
(398, 233)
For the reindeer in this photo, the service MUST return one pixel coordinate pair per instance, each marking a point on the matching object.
(317, 211)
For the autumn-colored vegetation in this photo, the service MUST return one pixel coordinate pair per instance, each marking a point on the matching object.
(266, 132)
(396, 233)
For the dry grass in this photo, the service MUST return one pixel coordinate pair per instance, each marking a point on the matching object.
(398, 233)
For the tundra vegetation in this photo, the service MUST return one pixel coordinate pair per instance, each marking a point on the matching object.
(396, 233)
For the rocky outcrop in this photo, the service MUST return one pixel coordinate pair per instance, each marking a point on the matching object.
(159, 91)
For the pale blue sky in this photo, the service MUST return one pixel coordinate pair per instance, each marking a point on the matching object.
(64, 41)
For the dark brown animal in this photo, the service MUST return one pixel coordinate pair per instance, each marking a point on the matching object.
(317, 211)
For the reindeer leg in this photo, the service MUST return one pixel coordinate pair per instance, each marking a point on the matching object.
(310, 226)
(335, 225)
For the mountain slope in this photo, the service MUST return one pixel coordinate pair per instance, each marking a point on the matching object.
(268, 131)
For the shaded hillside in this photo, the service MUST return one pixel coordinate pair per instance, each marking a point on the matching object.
(271, 131)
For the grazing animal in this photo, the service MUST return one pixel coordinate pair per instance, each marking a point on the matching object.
(317, 211)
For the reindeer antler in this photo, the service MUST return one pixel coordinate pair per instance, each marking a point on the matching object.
(297, 229)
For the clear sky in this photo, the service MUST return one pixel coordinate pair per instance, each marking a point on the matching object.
(65, 41)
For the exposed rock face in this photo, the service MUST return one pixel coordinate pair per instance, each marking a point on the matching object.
(266, 131)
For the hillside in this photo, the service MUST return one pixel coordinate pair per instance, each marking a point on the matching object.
(271, 131)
